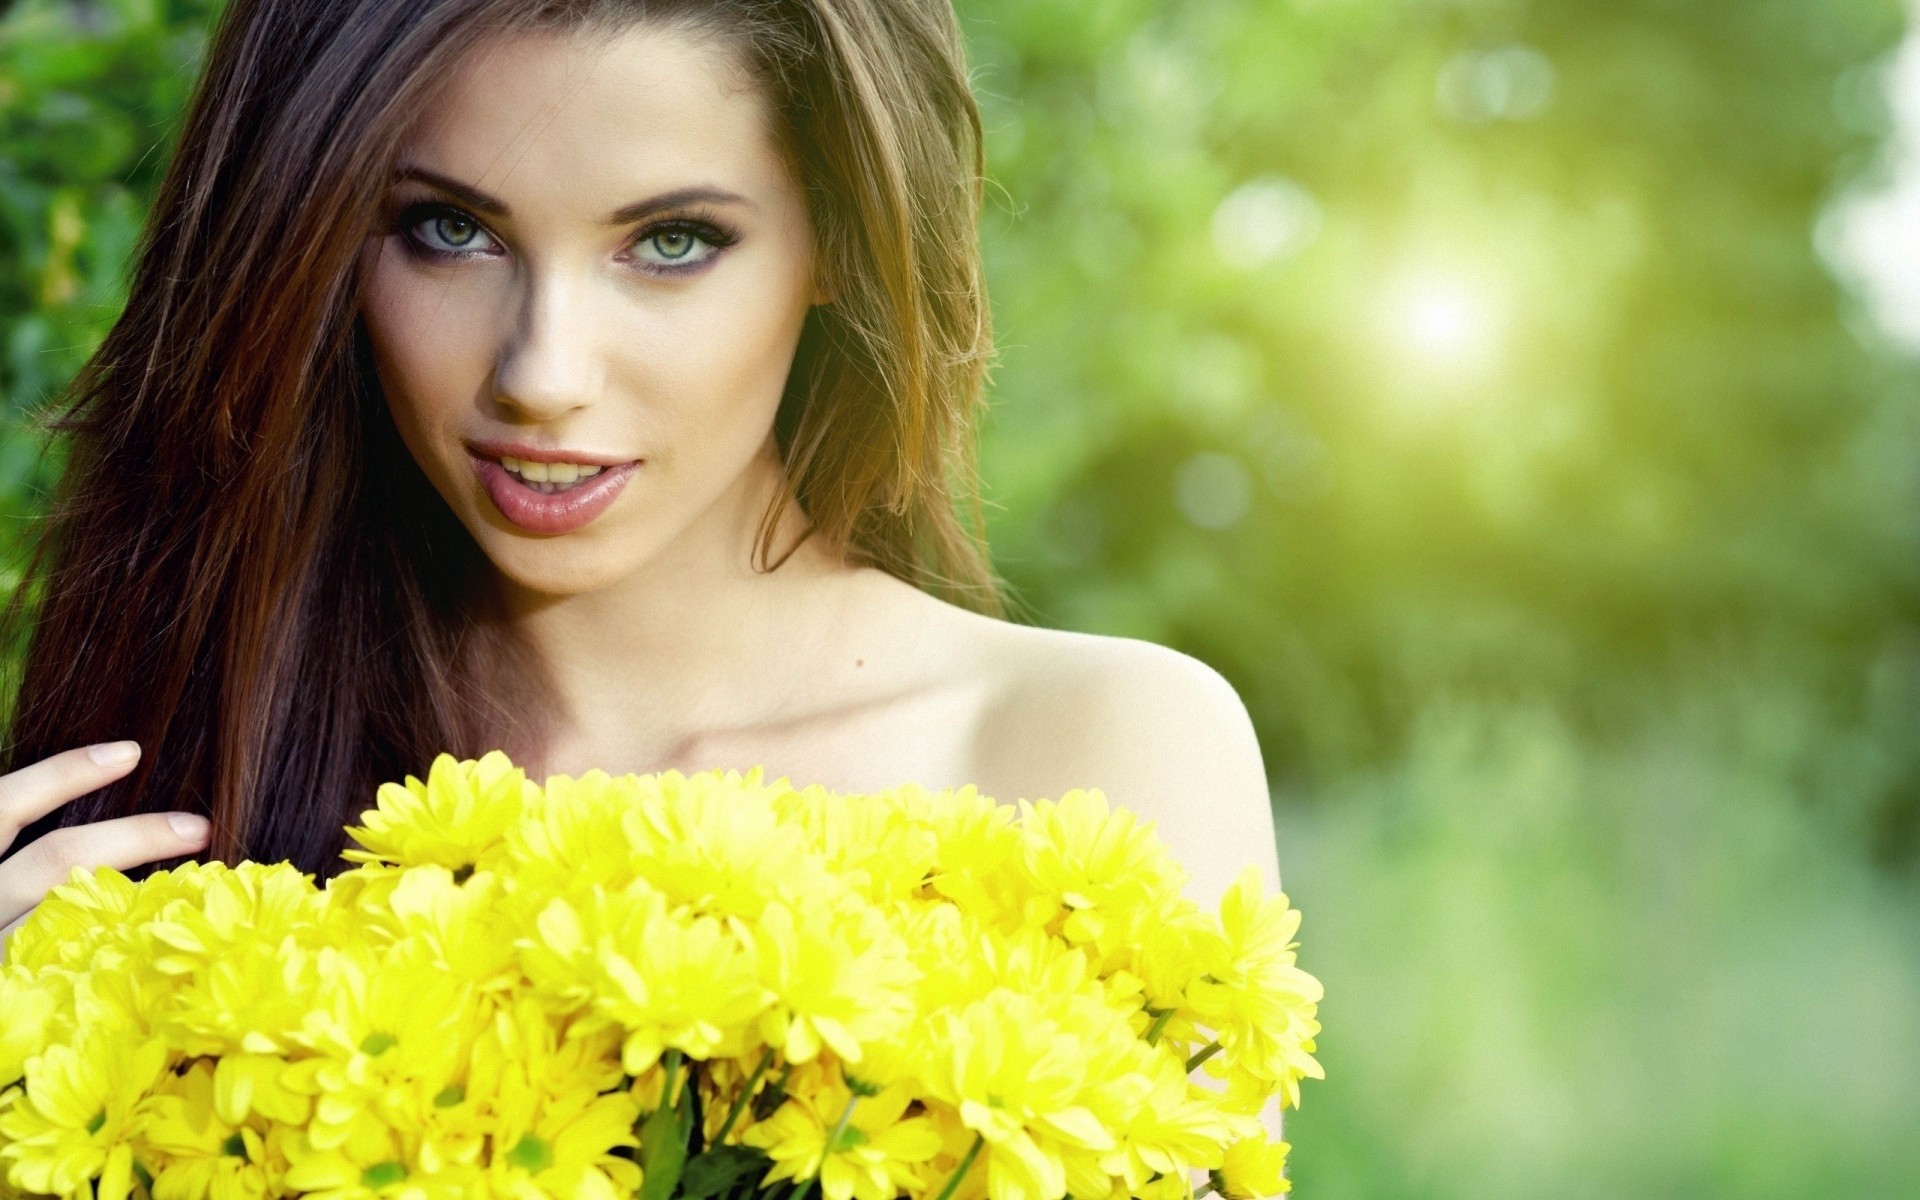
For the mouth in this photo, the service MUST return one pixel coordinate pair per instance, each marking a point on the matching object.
(548, 478)
(550, 495)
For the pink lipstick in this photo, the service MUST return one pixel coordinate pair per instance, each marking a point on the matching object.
(549, 507)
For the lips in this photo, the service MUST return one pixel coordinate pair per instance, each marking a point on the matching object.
(497, 449)
(556, 512)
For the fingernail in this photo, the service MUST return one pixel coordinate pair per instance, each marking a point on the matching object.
(191, 827)
(114, 754)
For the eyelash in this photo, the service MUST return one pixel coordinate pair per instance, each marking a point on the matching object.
(698, 222)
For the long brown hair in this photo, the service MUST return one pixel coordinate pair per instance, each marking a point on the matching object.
(243, 568)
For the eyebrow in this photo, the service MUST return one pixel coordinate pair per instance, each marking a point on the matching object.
(473, 197)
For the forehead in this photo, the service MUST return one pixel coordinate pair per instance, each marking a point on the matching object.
(597, 118)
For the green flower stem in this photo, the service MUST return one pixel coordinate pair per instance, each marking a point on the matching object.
(740, 1101)
(960, 1172)
(670, 1069)
(1212, 1049)
(1159, 1023)
(839, 1127)
(801, 1187)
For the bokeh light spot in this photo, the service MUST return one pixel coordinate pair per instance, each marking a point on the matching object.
(1265, 219)
(1212, 490)
(1507, 83)
(1441, 325)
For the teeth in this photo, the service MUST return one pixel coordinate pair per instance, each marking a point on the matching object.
(549, 476)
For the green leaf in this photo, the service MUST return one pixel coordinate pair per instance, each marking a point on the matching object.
(718, 1169)
(663, 1142)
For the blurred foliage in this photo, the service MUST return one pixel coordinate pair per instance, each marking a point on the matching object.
(1470, 345)
(1460, 378)
(89, 96)
(1462, 381)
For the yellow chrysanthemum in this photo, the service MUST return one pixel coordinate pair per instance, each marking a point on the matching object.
(912, 987)
(977, 851)
(554, 1113)
(1174, 946)
(385, 1034)
(195, 1155)
(456, 818)
(877, 845)
(245, 1084)
(955, 950)
(372, 1166)
(1096, 872)
(237, 958)
(879, 1152)
(714, 843)
(1254, 1169)
(1166, 1187)
(78, 1115)
(92, 908)
(839, 974)
(32, 1005)
(572, 842)
(457, 926)
(1260, 1002)
(1166, 1123)
(667, 978)
(1018, 1076)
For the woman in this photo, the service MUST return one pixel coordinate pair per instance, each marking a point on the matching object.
(594, 380)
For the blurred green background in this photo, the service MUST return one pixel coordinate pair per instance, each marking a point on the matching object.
(1466, 381)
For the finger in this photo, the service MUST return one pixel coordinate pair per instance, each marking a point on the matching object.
(123, 844)
(35, 790)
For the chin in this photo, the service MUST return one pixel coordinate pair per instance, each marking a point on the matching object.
(569, 565)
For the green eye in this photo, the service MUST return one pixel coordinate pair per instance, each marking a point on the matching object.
(679, 237)
(466, 229)
(436, 229)
(676, 246)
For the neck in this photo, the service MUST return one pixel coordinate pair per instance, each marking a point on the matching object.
(698, 641)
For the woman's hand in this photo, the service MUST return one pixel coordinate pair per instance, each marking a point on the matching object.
(124, 843)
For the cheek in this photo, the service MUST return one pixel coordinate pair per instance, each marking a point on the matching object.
(723, 401)
(730, 355)
(415, 329)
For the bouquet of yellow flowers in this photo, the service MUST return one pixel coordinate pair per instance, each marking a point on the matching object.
(702, 987)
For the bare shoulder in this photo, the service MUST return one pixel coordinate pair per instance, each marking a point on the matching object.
(1057, 709)
(1158, 731)
(1121, 714)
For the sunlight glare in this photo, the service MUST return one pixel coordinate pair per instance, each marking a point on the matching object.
(1446, 323)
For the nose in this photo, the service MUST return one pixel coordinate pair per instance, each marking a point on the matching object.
(550, 364)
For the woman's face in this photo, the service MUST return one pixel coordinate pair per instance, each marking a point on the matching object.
(596, 269)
